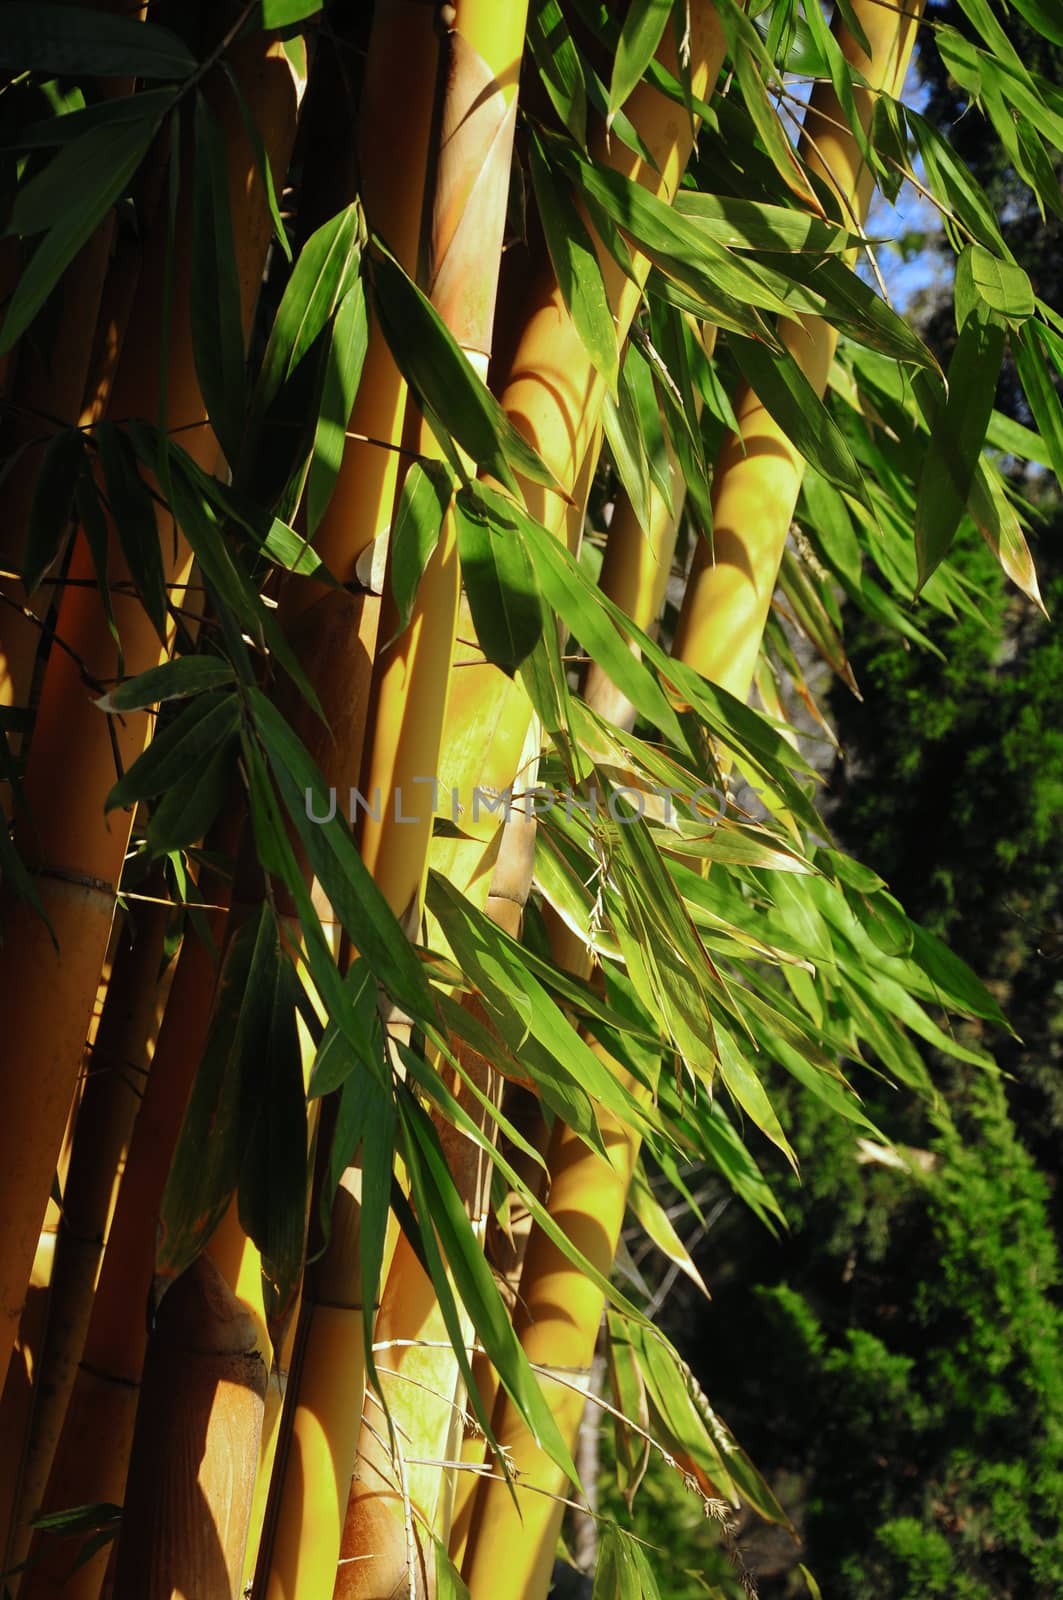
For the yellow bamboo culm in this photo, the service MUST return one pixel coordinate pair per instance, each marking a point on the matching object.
(72, 732)
(46, 997)
(117, 1063)
(759, 471)
(196, 1447)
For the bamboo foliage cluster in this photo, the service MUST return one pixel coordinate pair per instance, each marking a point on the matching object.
(380, 920)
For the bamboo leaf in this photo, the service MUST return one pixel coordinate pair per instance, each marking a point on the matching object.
(440, 1207)
(272, 1185)
(209, 721)
(215, 1130)
(1001, 286)
(184, 814)
(217, 321)
(741, 224)
(133, 515)
(70, 41)
(640, 34)
(956, 438)
(53, 504)
(332, 853)
(575, 261)
(658, 1225)
(560, 66)
(343, 372)
(1040, 393)
(790, 399)
(500, 586)
(70, 198)
(185, 675)
(427, 490)
(283, 13)
(324, 274)
(434, 365)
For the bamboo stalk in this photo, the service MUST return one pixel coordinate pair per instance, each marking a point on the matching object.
(77, 855)
(118, 1063)
(185, 1520)
(759, 472)
(92, 1457)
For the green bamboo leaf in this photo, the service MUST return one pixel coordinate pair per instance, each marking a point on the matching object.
(1001, 529)
(126, 109)
(627, 446)
(658, 1226)
(216, 1127)
(134, 517)
(984, 279)
(576, 265)
(184, 814)
(567, 590)
(70, 198)
(332, 853)
(790, 399)
(441, 1209)
(640, 34)
(262, 162)
(741, 224)
(217, 321)
(500, 585)
(427, 491)
(730, 288)
(69, 41)
(208, 722)
(956, 438)
(560, 66)
(283, 13)
(186, 675)
(324, 274)
(1042, 15)
(1041, 394)
(343, 372)
(434, 365)
(272, 1183)
(53, 504)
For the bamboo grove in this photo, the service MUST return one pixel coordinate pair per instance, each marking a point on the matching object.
(424, 426)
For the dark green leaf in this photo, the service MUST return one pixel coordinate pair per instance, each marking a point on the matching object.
(71, 197)
(559, 66)
(217, 321)
(324, 275)
(426, 494)
(216, 1127)
(172, 681)
(135, 523)
(434, 365)
(209, 721)
(53, 504)
(184, 814)
(74, 40)
(343, 372)
(500, 585)
(273, 1173)
(956, 438)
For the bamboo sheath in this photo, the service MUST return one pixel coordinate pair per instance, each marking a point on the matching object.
(46, 996)
(563, 1309)
(758, 476)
